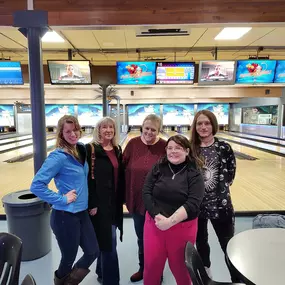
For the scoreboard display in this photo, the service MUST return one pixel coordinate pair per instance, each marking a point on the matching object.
(175, 73)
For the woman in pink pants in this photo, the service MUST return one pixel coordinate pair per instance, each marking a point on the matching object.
(172, 194)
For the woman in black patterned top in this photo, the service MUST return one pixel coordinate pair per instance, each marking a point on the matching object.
(218, 172)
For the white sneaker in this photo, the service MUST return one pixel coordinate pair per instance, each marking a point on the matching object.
(209, 272)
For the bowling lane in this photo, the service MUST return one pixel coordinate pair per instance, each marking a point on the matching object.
(256, 138)
(16, 139)
(254, 144)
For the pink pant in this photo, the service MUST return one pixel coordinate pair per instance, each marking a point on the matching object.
(161, 245)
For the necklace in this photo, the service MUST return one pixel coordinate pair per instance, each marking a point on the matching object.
(174, 174)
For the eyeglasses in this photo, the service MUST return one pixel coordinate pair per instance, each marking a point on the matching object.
(175, 149)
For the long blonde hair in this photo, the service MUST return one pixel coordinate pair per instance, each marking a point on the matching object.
(96, 133)
(60, 141)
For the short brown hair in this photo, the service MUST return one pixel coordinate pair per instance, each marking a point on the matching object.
(154, 119)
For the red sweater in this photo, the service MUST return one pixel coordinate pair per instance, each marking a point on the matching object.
(139, 159)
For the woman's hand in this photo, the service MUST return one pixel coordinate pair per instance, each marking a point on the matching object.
(162, 222)
(71, 196)
(93, 211)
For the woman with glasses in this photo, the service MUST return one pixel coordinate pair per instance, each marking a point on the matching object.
(172, 194)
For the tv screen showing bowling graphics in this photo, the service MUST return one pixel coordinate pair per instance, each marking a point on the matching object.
(280, 72)
(137, 113)
(11, 73)
(7, 116)
(89, 115)
(255, 71)
(75, 72)
(133, 73)
(55, 112)
(217, 72)
(221, 111)
(178, 114)
(175, 72)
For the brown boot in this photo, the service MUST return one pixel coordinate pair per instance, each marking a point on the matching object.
(60, 281)
(76, 276)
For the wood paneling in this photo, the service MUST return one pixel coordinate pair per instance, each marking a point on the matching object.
(135, 12)
(7, 7)
(122, 12)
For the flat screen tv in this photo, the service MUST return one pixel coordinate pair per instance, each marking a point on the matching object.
(221, 111)
(136, 73)
(175, 72)
(280, 72)
(138, 112)
(89, 114)
(75, 72)
(255, 71)
(7, 116)
(178, 114)
(11, 73)
(55, 111)
(217, 72)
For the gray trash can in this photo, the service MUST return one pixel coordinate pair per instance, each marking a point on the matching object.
(28, 217)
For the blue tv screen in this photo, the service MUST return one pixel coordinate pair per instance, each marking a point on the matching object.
(135, 72)
(220, 110)
(280, 72)
(255, 71)
(175, 72)
(178, 114)
(138, 112)
(11, 73)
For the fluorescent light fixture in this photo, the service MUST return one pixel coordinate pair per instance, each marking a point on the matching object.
(52, 37)
(232, 33)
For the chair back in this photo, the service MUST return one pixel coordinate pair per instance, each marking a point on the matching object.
(10, 258)
(29, 280)
(195, 266)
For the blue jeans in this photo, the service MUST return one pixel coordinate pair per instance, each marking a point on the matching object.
(71, 231)
(108, 264)
(139, 226)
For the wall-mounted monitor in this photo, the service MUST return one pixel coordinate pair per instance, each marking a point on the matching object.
(178, 114)
(11, 73)
(217, 72)
(255, 71)
(7, 116)
(55, 112)
(221, 111)
(280, 72)
(136, 73)
(260, 115)
(137, 113)
(89, 115)
(175, 72)
(75, 72)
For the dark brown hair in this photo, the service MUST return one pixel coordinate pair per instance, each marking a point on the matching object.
(195, 140)
(60, 141)
(185, 143)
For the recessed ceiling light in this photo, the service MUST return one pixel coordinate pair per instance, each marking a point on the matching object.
(52, 37)
(232, 33)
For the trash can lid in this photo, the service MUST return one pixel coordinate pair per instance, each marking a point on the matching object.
(21, 198)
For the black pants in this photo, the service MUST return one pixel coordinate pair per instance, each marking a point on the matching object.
(71, 231)
(224, 229)
(139, 225)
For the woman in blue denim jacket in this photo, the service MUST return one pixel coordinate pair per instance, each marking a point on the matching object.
(70, 220)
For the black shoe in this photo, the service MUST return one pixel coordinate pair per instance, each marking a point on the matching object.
(136, 277)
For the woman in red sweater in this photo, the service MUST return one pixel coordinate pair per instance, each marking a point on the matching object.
(140, 154)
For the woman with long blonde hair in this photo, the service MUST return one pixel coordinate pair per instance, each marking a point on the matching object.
(106, 197)
(70, 221)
